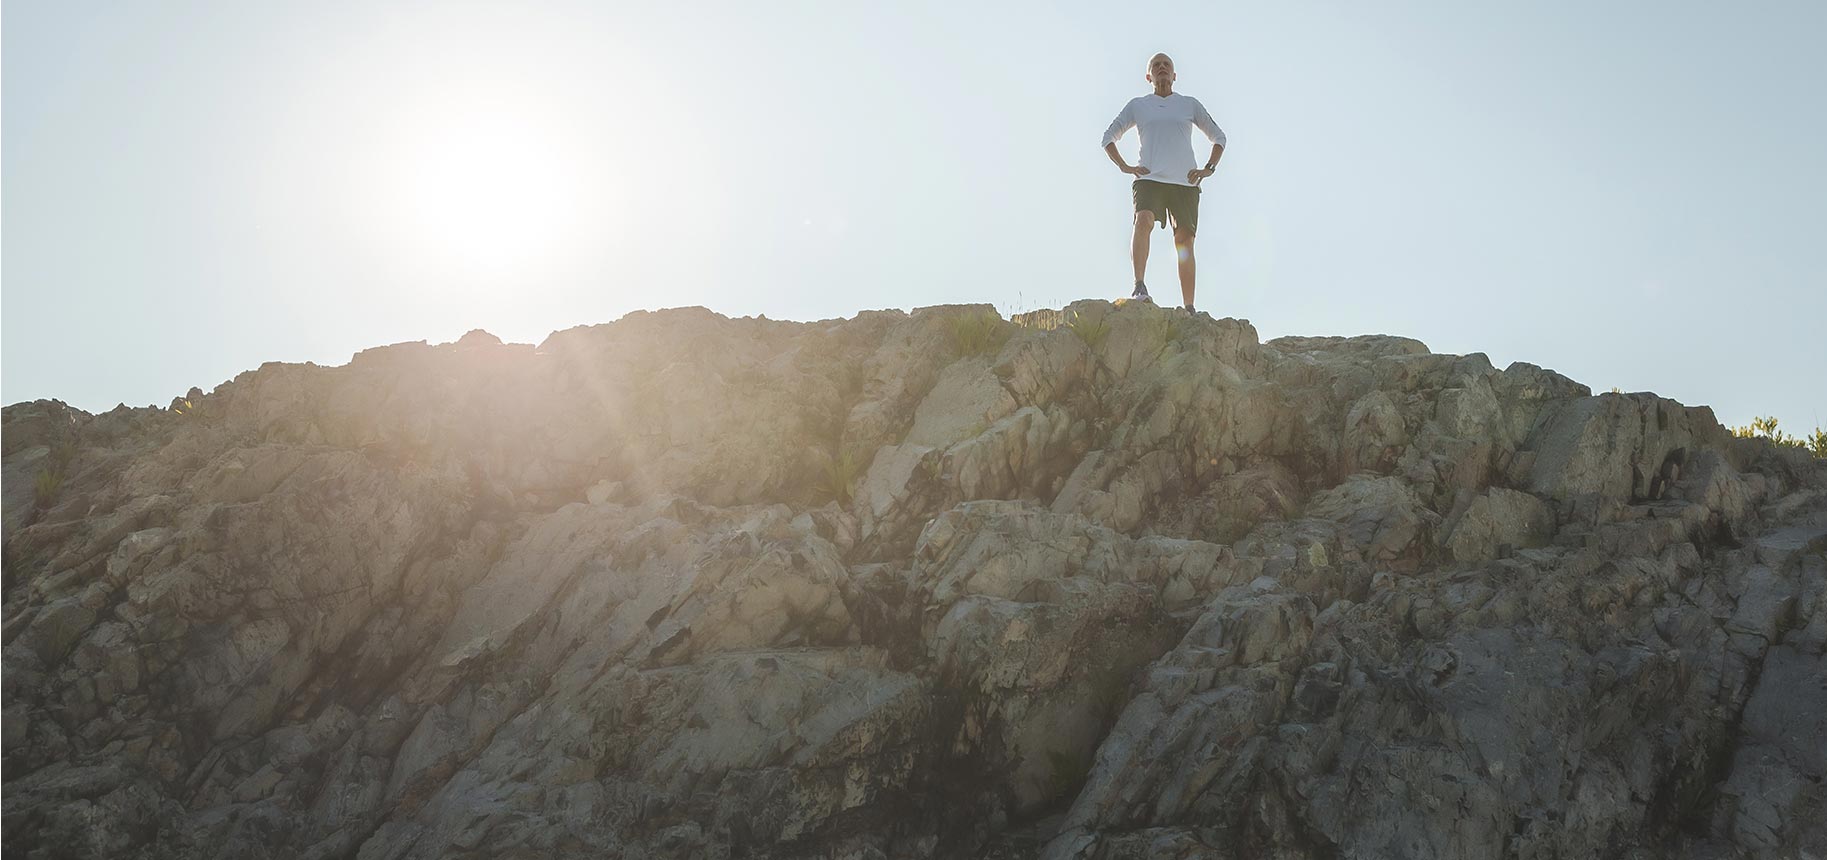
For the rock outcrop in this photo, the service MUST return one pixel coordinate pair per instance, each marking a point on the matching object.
(1107, 582)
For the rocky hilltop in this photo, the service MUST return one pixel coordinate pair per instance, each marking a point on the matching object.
(1095, 583)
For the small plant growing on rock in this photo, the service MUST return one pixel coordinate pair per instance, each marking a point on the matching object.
(977, 333)
(45, 490)
(1024, 315)
(57, 465)
(930, 468)
(1766, 427)
(1092, 330)
(840, 476)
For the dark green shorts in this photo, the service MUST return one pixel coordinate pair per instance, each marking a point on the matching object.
(1162, 198)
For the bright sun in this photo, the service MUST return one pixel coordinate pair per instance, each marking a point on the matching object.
(483, 191)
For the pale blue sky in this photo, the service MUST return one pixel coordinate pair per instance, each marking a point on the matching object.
(1627, 192)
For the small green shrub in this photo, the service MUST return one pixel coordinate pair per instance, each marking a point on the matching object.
(1766, 427)
(56, 468)
(1761, 426)
(1092, 330)
(45, 490)
(977, 333)
(840, 475)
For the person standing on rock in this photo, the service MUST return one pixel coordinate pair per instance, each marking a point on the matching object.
(1167, 177)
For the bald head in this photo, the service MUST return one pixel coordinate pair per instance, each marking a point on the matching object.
(1161, 73)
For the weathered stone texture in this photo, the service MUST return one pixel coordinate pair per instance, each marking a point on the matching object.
(1113, 582)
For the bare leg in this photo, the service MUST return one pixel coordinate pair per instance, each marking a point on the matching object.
(1138, 244)
(1183, 247)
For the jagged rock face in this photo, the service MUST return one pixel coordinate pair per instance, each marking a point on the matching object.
(1121, 583)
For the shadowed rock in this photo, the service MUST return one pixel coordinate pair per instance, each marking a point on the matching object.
(1106, 582)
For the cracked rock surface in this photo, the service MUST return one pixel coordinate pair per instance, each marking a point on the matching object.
(1113, 582)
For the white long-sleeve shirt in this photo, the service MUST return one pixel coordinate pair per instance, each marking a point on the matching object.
(1166, 125)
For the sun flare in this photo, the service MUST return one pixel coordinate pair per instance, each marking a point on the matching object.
(488, 191)
(481, 190)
